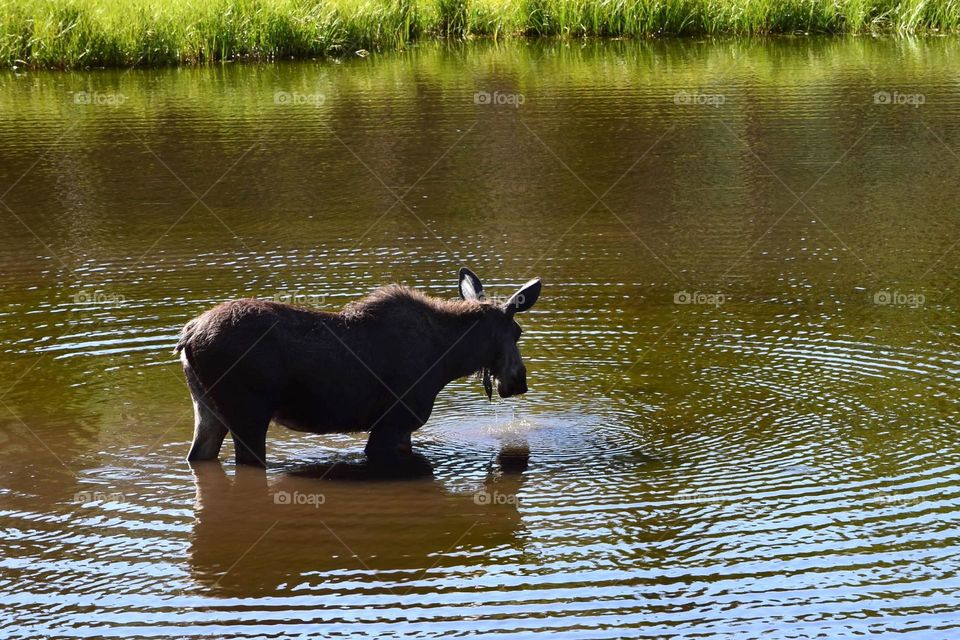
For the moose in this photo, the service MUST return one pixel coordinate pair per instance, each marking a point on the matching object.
(377, 365)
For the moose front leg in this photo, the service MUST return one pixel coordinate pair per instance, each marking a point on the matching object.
(389, 455)
(388, 444)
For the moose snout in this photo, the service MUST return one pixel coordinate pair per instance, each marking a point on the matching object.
(514, 386)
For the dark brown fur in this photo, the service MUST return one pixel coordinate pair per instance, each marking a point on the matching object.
(376, 366)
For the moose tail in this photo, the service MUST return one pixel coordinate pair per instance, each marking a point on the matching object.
(183, 341)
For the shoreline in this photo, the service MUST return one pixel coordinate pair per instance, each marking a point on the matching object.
(82, 34)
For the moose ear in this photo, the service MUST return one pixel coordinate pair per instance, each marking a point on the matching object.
(470, 286)
(524, 298)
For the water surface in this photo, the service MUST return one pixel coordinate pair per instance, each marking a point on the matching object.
(743, 407)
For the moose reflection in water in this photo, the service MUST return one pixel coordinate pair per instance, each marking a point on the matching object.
(259, 533)
(376, 366)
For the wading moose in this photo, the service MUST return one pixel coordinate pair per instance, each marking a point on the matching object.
(375, 366)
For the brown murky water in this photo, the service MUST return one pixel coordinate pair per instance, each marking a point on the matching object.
(743, 409)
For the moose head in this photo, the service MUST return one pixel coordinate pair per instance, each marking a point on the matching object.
(502, 360)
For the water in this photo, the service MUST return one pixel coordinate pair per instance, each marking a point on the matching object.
(777, 457)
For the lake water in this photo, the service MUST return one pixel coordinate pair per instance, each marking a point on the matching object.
(743, 407)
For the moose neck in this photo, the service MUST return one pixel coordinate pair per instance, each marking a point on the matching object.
(462, 343)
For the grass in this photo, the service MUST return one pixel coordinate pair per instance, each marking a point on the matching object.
(92, 33)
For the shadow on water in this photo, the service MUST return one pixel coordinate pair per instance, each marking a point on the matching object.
(256, 532)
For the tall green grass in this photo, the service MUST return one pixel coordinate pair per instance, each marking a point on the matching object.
(81, 33)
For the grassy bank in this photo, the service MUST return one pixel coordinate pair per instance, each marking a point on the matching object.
(81, 33)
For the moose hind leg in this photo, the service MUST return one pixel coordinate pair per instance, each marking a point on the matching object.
(208, 429)
(250, 447)
(208, 432)
(248, 422)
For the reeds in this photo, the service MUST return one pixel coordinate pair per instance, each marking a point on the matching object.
(91, 33)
